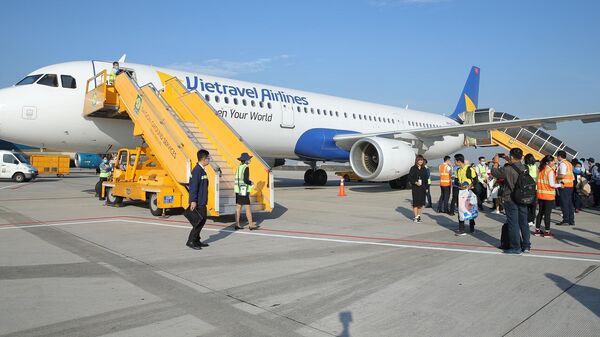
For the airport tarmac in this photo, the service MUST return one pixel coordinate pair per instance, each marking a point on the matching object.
(322, 266)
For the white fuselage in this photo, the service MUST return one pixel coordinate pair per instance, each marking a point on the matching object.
(271, 119)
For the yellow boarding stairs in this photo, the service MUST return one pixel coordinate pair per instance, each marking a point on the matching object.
(175, 124)
(529, 139)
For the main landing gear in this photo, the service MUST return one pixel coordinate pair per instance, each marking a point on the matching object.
(400, 183)
(314, 176)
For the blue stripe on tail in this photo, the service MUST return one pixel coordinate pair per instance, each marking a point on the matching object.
(469, 98)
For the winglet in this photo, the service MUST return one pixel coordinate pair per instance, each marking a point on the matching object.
(469, 97)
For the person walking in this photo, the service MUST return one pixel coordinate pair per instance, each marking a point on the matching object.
(532, 168)
(199, 198)
(417, 176)
(546, 192)
(466, 177)
(565, 193)
(242, 188)
(516, 213)
(445, 170)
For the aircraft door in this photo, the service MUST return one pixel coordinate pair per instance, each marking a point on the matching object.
(287, 115)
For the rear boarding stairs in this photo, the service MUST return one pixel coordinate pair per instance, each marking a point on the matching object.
(175, 123)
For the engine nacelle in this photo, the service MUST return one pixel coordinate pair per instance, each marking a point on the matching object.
(381, 159)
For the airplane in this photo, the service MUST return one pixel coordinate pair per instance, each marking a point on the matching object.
(380, 142)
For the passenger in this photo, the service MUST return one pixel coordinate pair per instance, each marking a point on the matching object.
(113, 73)
(199, 198)
(417, 176)
(578, 173)
(445, 170)
(105, 170)
(455, 189)
(428, 191)
(466, 177)
(565, 193)
(516, 214)
(480, 186)
(546, 192)
(530, 162)
(595, 181)
(242, 188)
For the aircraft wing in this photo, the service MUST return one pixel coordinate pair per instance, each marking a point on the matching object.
(479, 130)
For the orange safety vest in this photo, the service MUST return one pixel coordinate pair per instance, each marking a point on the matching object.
(444, 175)
(544, 190)
(568, 179)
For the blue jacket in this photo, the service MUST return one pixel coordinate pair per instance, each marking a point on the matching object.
(199, 186)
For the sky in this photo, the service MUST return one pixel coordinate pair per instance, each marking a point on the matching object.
(537, 58)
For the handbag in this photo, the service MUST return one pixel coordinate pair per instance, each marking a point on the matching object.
(193, 216)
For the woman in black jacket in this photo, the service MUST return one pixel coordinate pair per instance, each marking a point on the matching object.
(418, 180)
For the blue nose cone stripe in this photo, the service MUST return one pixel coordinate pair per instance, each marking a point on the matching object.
(318, 144)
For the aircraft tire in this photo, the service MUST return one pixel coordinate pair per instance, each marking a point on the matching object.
(399, 183)
(309, 177)
(320, 177)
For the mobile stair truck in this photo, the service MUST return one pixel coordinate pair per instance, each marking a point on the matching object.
(174, 124)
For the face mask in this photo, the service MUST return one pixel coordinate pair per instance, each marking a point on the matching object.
(577, 170)
(105, 161)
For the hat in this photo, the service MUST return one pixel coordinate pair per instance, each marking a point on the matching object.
(244, 157)
(591, 160)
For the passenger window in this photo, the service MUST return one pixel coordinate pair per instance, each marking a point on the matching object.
(312, 110)
(305, 110)
(50, 80)
(68, 81)
(252, 103)
(261, 104)
(244, 102)
(235, 101)
(207, 98)
(29, 79)
(360, 117)
(217, 99)
(337, 114)
(345, 115)
(354, 116)
(269, 105)
(226, 100)
(319, 111)
(330, 113)
(298, 108)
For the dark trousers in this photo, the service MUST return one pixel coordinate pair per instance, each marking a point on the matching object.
(518, 229)
(531, 212)
(195, 232)
(444, 199)
(596, 193)
(428, 196)
(454, 202)
(545, 212)
(98, 187)
(461, 225)
(577, 203)
(566, 205)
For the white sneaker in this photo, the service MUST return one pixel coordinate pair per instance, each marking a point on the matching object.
(497, 212)
(531, 224)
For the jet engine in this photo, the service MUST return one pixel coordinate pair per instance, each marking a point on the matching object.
(381, 159)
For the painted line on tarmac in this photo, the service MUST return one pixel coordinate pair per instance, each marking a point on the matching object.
(59, 224)
(16, 224)
(383, 244)
(9, 186)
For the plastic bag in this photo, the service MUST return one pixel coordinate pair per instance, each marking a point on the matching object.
(467, 205)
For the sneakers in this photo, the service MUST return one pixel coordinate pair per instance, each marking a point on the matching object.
(526, 251)
(418, 219)
(548, 235)
(537, 232)
(531, 224)
(460, 233)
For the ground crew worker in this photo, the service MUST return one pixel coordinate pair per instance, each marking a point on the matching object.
(565, 194)
(113, 73)
(445, 170)
(546, 192)
(199, 198)
(465, 182)
(243, 187)
(105, 170)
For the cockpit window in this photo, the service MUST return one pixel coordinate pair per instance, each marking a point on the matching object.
(50, 80)
(29, 79)
(68, 81)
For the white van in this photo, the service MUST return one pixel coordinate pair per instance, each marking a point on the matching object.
(15, 166)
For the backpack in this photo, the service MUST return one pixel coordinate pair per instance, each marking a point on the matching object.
(524, 191)
(470, 171)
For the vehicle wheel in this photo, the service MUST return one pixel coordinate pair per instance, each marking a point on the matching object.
(309, 177)
(320, 177)
(110, 198)
(153, 204)
(19, 177)
(400, 183)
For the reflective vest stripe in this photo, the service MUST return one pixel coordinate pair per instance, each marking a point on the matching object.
(239, 179)
(444, 175)
(544, 190)
(568, 178)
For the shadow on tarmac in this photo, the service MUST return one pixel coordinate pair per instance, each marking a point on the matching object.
(588, 297)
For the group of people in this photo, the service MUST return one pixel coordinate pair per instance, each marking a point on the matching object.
(525, 191)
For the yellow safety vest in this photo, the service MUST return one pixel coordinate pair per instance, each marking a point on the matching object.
(111, 77)
(461, 174)
(103, 172)
(239, 180)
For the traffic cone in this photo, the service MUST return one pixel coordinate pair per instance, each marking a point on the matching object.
(342, 192)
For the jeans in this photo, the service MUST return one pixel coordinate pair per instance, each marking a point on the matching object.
(444, 198)
(518, 229)
(566, 205)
